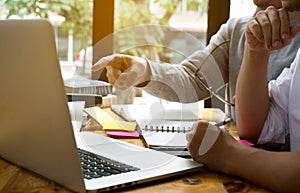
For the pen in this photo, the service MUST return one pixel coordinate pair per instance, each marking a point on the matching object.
(227, 120)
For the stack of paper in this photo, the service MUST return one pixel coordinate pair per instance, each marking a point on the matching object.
(133, 112)
(83, 85)
(114, 128)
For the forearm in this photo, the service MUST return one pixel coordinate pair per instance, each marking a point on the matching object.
(252, 100)
(175, 83)
(180, 83)
(277, 171)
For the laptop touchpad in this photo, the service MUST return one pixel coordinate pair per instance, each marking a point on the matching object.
(124, 152)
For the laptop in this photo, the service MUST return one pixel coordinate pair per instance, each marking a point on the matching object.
(36, 128)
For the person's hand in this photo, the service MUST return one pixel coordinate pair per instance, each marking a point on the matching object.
(269, 30)
(219, 145)
(124, 71)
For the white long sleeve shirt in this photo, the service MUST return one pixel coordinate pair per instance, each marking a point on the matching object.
(284, 114)
(178, 83)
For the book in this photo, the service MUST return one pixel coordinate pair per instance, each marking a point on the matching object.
(78, 84)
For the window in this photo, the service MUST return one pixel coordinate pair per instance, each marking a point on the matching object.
(240, 8)
(71, 20)
(179, 27)
(167, 31)
(74, 19)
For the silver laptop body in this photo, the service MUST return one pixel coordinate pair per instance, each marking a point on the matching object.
(36, 129)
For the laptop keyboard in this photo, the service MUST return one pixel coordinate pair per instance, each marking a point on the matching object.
(96, 166)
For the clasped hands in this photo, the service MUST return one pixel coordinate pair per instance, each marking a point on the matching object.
(270, 30)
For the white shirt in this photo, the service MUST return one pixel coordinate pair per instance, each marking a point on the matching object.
(284, 114)
(177, 83)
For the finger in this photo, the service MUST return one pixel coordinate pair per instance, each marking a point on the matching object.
(287, 41)
(189, 136)
(127, 62)
(102, 63)
(210, 137)
(126, 79)
(276, 24)
(130, 76)
(294, 32)
(112, 74)
(195, 137)
(285, 25)
(134, 72)
(255, 30)
(265, 25)
(139, 72)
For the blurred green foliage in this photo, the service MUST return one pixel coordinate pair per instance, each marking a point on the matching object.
(128, 13)
(131, 13)
(77, 14)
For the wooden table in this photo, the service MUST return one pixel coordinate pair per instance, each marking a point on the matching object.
(17, 180)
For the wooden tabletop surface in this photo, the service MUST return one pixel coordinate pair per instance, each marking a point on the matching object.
(18, 180)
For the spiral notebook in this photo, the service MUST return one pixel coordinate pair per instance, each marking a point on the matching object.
(169, 135)
(165, 135)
